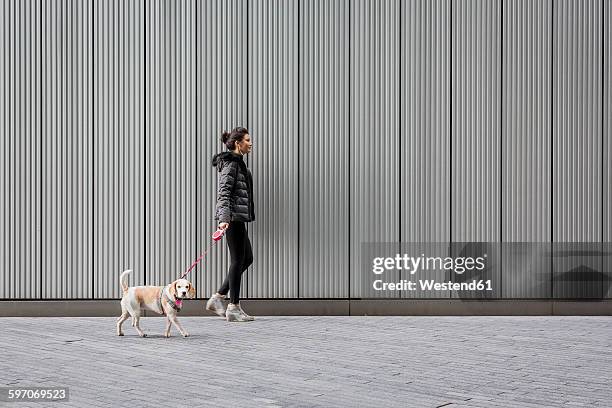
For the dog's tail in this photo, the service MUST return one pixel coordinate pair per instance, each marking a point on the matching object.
(123, 280)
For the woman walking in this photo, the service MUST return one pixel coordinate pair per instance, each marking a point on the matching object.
(234, 209)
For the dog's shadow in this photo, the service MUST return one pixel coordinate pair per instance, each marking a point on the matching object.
(159, 336)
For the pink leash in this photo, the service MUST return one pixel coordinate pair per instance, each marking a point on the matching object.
(216, 236)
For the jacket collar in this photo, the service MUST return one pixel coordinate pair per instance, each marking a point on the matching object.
(219, 158)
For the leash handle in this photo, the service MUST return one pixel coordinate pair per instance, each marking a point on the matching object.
(218, 234)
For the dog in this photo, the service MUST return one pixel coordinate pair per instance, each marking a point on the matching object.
(165, 300)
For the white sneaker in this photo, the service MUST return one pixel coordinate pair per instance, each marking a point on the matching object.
(215, 304)
(235, 314)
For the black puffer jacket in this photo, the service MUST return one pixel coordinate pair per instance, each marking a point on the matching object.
(234, 188)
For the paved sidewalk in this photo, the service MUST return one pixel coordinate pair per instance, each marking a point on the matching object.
(315, 362)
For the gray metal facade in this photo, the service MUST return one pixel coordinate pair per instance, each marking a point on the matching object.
(372, 120)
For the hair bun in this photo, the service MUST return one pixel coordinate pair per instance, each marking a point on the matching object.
(225, 136)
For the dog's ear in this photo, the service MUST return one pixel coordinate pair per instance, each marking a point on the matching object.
(173, 289)
(192, 292)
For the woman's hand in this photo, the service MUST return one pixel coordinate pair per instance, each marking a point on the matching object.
(223, 225)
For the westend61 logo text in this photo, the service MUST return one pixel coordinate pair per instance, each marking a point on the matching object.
(427, 263)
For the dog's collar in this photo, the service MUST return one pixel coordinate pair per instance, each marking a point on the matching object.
(172, 303)
(159, 300)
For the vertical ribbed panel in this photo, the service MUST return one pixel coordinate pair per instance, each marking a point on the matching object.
(20, 127)
(476, 132)
(221, 105)
(170, 188)
(577, 126)
(526, 141)
(526, 121)
(425, 121)
(577, 144)
(425, 124)
(476, 122)
(118, 150)
(323, 148)
(373, 129)
(67, 190)
(272, 116)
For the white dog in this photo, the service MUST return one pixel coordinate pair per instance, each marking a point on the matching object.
(165, 300)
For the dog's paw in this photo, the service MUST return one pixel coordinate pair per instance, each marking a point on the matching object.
(120, 334)
(166, 335)
(185, 334)
(143, 335)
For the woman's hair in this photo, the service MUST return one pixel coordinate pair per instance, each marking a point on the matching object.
(235, 135)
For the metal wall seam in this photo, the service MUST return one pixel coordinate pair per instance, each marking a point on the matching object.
(67, 190)
(118, 101)
(20, 181)
(221, 100)
(323, 147)
(526, 144)
(577, 141)
(374, 131)
(170, 146)
(607, 141)
(7, 279)
(425, 125)
(272, 112)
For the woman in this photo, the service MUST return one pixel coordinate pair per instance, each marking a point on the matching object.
(234, 209)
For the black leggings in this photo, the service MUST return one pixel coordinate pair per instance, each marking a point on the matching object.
(241, 255)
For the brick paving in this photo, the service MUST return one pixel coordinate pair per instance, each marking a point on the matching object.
(518, 361)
